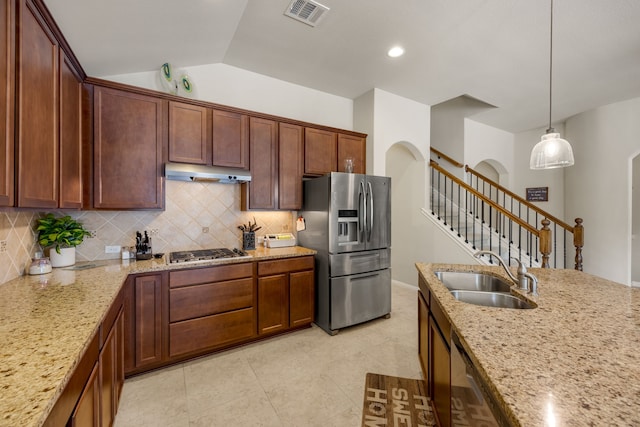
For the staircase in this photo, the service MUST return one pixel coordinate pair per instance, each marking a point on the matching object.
(482, 215)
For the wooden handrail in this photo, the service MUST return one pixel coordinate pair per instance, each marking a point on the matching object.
(521, 200)
(487, 200)
(447, 158)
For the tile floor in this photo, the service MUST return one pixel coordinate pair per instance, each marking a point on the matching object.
(303, 379)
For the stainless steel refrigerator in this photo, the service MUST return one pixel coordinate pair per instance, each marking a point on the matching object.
(348, 221)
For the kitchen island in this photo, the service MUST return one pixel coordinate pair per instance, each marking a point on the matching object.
(48, 322)
(572, 361)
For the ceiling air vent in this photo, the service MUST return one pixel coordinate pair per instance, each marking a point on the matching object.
(307, 11)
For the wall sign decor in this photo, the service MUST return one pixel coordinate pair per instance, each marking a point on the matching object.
(538, 194)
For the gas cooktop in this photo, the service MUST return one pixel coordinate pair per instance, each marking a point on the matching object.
(206, 255)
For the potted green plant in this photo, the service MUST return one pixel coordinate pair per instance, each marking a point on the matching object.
(62, 233)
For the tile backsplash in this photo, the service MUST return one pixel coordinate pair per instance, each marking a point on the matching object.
(196, 216)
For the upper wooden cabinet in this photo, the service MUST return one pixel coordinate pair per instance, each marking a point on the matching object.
(230, 139)
(320, 151)
(70, 135)
(7, 98)
(189, 133)
(353, 147)
(290, 166)
(261, 192)
(37, 110)
(129, 136)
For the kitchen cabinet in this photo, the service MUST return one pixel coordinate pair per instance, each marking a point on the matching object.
(129, 139)
(230, 139)
(210, 308)
(37, 110)
(261, 192)
(290, 166)
(143, 322)
(7, 99)
(87, 411)
(320, 151)
(110, 374)
(285, 294)
(353, 147)
(189, 133)
(70, 166)
(434, 332)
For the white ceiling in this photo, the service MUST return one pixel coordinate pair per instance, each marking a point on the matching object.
(496, 51)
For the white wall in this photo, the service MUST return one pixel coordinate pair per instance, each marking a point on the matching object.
(487, 143)
(227, 85)
(598, 186)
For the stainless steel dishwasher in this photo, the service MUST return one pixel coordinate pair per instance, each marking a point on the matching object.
(471, 405)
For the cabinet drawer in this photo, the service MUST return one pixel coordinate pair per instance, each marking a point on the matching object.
(197, 276)
(266, 268)
(211, 298)
(441, 320)
(211, 331)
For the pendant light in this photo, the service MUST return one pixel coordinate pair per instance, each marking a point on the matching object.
(552, 151)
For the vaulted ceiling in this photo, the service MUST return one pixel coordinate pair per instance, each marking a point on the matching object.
(496, 51)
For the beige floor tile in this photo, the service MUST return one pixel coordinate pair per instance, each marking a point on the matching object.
(305, 378)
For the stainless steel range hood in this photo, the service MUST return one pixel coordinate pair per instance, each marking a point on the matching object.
(200, 173)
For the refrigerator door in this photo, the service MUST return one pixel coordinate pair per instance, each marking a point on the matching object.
(378, 212)
(359, 298)
(346, 212)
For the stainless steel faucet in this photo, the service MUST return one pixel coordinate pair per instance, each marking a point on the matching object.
(525, 280)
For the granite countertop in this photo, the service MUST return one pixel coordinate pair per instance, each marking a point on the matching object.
(572, 361)
(47, 321)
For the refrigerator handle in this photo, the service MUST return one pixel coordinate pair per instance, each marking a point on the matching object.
(370, 222)
(362, 211)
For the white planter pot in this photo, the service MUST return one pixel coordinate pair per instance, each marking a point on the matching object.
(65, 258)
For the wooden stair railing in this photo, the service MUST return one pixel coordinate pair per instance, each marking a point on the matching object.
(544, 234)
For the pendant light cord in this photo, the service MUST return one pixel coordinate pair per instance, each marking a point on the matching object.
(550, 130)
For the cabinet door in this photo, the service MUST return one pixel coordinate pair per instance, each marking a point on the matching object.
(87, 411)
(273, 304)
(301, 297)
(263, 148)
(7, 97)
(107, 366)
(440, 387)
(290, 166)
(37, 110)
(423, 338)
(148, 319)
(354, 147)
(230, 139)
(70, 135)
(189, 134)
(320, 151)
(128, 143)
(119, 354)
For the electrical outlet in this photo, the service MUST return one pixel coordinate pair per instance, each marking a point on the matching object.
(112, 249)
(285, 227)
(153, 231)
(205, 229)
(3, 246)
(92, 234)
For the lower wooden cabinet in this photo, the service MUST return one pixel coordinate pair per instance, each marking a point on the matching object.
(285, 294)
(434, 331)
(210, 308)
(87, 411)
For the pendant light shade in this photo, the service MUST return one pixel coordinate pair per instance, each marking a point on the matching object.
(552, 151)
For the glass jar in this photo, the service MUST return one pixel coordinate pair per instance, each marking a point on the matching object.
(40, 266)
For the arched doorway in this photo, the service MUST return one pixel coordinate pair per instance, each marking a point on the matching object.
(407, 169)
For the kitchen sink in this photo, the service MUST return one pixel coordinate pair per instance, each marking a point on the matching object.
(492, 299)
(470, 281)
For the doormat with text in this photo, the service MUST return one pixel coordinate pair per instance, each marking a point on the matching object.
(395, 401)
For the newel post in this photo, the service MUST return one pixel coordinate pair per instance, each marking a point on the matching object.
(545, 242)
(578, 242)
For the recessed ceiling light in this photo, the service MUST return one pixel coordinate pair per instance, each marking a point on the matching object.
(395, 52)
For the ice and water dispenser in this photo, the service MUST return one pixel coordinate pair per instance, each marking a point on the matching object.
(348, 226)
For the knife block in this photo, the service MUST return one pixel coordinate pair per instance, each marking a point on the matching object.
(248, 240)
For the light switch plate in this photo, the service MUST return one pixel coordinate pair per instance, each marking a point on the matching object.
(112, 249)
